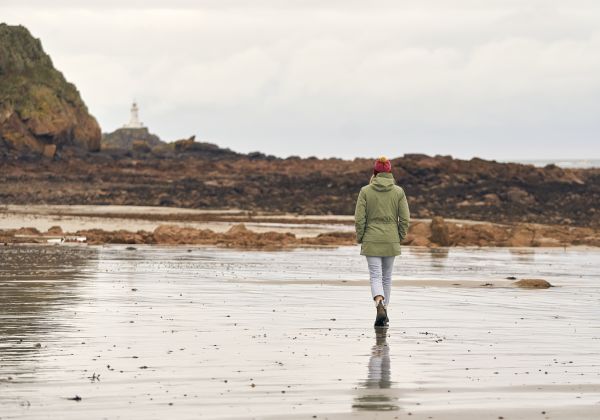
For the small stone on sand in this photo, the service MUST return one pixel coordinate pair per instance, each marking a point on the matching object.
(533, 284)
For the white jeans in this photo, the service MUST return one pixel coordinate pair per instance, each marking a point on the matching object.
(380, 272)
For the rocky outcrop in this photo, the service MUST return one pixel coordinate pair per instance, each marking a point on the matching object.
(189, 147)
(176, 235)
(442, 233)
(138, 143)
(40, 112)
(131, 138)
(239, 236)
(484, 190)
(193, 174)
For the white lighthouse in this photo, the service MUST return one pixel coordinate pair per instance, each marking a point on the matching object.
(134, 119)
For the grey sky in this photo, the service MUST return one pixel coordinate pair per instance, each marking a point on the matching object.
(512, 79)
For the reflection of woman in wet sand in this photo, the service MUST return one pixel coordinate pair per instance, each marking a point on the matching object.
(378, 379)
(379, 363)
(381, 218)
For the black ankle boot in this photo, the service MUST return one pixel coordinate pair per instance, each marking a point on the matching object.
(381, 320)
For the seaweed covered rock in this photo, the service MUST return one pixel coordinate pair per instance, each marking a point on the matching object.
(38, 107)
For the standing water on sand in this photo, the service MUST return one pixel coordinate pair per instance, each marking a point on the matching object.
(200, 332)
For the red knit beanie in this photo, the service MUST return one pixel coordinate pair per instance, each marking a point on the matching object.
(382, 164)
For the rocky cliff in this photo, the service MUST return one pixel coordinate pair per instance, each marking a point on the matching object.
(40, 111)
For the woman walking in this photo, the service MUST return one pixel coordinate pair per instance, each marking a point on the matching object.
(381, 219)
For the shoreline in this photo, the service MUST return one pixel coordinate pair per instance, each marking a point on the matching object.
(261, 230)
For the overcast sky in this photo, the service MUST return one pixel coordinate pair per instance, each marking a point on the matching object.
(512, 79)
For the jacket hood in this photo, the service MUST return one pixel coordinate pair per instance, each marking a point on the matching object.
(384, 181)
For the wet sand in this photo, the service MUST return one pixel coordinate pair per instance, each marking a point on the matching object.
(133, 218)
(194, 332)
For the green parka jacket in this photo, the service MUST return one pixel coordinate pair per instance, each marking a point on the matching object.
(381, 217)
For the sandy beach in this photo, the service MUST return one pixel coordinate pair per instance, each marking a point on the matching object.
(199, 332)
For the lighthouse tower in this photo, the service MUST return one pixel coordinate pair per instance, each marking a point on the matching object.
(134, 119)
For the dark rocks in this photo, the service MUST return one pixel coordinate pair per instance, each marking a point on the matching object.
(190, 147)
(131, 138)
(200, 175)
(518, 195)
(492, 199)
